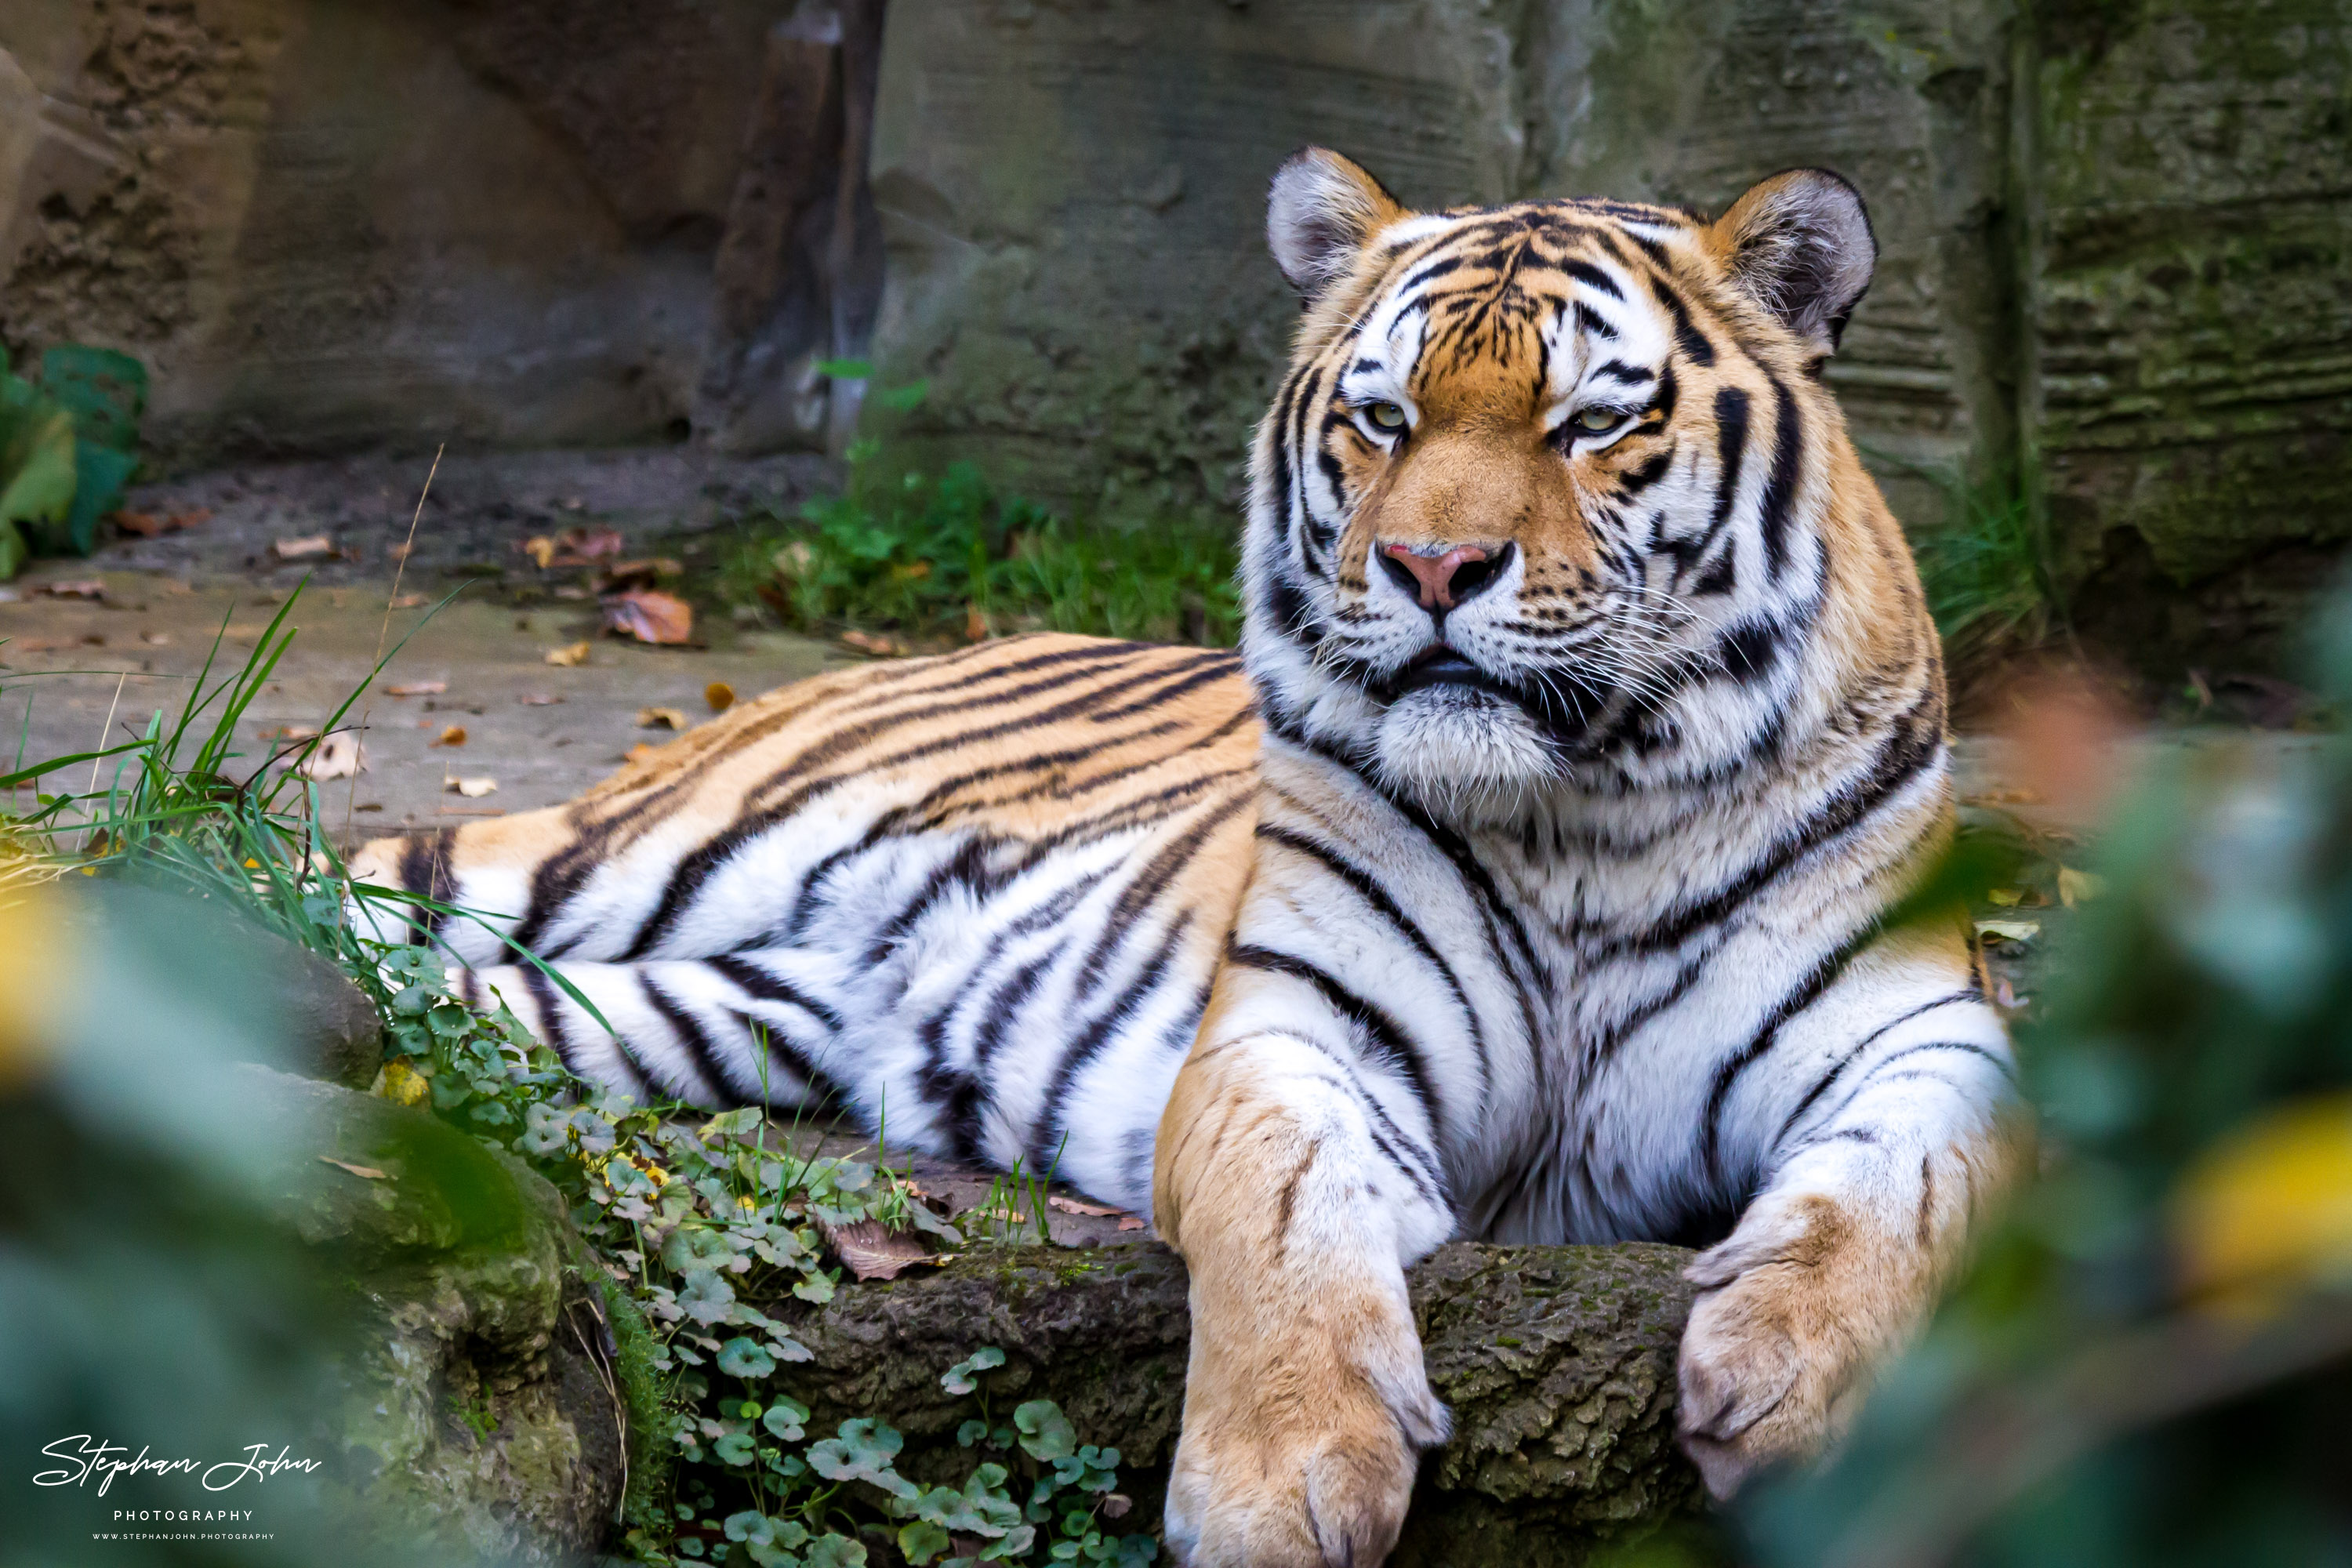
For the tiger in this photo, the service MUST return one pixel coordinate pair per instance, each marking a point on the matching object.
(1540, 869)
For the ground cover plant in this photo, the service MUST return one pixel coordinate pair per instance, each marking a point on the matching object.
(68, 443)
(692, 1217)
(921, 562)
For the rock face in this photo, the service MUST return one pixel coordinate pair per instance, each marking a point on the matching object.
(2115, 248)
(483, 1413)
(327, 225)
(1557, 1363)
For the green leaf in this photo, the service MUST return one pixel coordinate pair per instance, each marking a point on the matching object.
(959, 1378)
(100, 474)
(37, 471)
(735, 1448)
(706, 1298)
(743, 1118)
(745, 1358)
(13, 552)
(862, 1453)
(905, 399)
(970, 1433)
(923, 1541)
(104, 391)
(836, 1552)
(1046, 1432)
(786, 1419)
(844, 369)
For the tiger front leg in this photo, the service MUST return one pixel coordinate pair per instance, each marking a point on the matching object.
(1305, 1403)
(1835, 1266)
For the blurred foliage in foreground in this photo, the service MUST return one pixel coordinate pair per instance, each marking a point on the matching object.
(2151, 1363)
(936, 563)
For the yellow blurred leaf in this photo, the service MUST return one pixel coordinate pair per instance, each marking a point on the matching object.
(565, 657)
(661, 719)
(2268, 1208)
(2007, 898)
(2008, 931)
(719, 696)
(2078, 887)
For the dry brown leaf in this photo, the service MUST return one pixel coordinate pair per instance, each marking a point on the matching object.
(540, 548)
(417, 688)
(151, 525)
(75, 588)
(472, 789)
(661, 719)
(1072, 1206)
(156, 639)
(650, 616)
(641, 752)
(469, 811)
(455, 736)
(1133, 1221)
(565, 657)
(54, 645)
(408, 601)
(339, 756)
(975, 625)
(868, 642)
(398, 552)
(870, 1252)
(317, 547)
(369, 1172)
(538, 699)
(640, 573)
(719, 696)
(290, 732)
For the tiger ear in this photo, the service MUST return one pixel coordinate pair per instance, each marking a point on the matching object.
(1800, 245)
(1319, 215)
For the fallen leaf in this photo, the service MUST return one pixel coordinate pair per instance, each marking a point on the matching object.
(2078, 887)
(660, 719)
(156, 639)
(538, 699)
(455, 736)
(975, 625)
(2008, 931)
(290, 732)
(1133, 1221)
(369, 1172)
(472, 789)
(650, 616)
(867, 642)
(399, 552)
(1072, 1206)
(368, 805)
(338, 756)
(77, 588)
(572, 591)
(151, 525)
(565, 657)
(408, 601)
(1115, 1505)
(54, 645)
(540, 548)
(719, 696)
(592, 543)
(625, 573)
(641, 752)
(2266, 1211)
(870, 1252)
(417, 688)
(317, 547)
(469, 811)
(2007, 898)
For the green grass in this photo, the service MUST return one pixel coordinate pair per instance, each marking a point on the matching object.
(1986, 571)
(949, 560)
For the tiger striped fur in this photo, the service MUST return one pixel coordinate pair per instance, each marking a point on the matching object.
(1529, 877)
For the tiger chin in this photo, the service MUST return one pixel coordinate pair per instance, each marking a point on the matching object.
(1531, 875)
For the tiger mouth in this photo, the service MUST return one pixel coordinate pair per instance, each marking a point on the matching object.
(1442, 666)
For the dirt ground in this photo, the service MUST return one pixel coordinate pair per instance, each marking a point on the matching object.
(75, 669)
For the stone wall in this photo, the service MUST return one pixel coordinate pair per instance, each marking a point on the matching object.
(328, 223)
(2114, 254)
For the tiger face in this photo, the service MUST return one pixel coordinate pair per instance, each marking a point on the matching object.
(1549, 488)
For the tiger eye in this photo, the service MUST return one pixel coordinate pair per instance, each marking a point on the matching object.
(1593, 421)
(1387, 415)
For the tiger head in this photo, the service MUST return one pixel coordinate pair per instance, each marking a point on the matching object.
(1553, 495)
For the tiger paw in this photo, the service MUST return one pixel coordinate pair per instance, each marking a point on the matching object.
(1300, 1455)
(1776, 1355)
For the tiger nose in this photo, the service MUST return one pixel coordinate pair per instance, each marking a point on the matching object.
(1441, 582)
